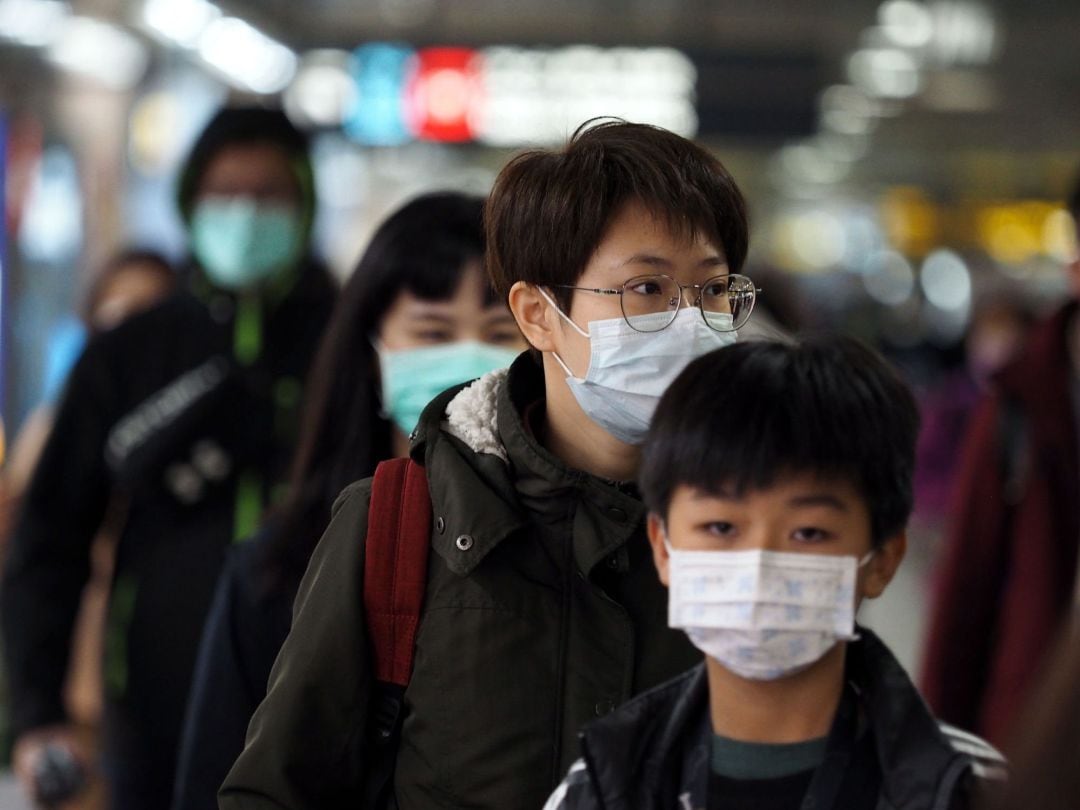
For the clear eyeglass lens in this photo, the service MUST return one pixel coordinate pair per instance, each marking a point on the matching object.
(727, 295)
(650, 295)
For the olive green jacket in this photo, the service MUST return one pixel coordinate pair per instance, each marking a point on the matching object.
(549, 614)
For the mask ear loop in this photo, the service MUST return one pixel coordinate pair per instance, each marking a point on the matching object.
(667, 540)
(863, 560)
(380, 350)
(562, 314)
(573, 325)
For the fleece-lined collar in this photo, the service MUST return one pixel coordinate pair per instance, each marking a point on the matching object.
(489, 476)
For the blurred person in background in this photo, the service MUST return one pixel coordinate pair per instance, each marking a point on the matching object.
(131, 281)
(619, 255)
(1042, 748)
(417, 316)
(187, 412)
(998, 328)
(1009, 574)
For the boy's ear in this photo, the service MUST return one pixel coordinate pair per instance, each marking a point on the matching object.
(533, 315)
(881, 568)
(654, 527)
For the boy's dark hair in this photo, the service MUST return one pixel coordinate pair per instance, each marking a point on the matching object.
(549, 209)
(747, 415)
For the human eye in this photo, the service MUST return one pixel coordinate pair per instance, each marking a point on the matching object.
(715, 287)
(720, 528)
(433, 336)
(645, 286)
(810, 534)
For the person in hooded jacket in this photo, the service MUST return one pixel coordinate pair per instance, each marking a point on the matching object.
(186, 414)
(619, 257)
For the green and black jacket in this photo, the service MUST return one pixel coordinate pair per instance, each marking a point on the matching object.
(160, 415)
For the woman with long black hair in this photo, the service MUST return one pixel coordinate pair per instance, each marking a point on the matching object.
(416, 317)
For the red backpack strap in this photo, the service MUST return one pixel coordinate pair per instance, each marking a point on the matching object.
(395, 565)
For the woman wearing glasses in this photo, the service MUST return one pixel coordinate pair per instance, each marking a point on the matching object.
(619, 257)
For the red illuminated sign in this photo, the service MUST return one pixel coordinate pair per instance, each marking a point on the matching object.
(444, 89)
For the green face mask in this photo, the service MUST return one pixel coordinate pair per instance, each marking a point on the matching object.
(411, 378)
(240, 242)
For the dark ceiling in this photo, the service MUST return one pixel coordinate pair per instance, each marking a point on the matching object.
(760, 59)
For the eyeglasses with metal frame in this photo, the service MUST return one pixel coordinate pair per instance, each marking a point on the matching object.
(729, 294)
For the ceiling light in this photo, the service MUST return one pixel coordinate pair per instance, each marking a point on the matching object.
(323, 91)
(31, 22)
(889, 278)
(247, 57)
(180, 21)
(946, 280)
(99, 50)
(884, 72)
(906, 23)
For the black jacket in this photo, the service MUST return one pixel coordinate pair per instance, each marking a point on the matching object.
(247, 625)
(654, 751)
(157, 415)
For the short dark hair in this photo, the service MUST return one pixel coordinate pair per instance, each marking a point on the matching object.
(549, 209)
(745, 416)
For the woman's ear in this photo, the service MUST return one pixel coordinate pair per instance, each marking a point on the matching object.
(881, 568)
(654, 527)
(533, 315)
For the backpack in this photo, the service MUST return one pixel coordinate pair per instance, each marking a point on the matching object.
(395, 576)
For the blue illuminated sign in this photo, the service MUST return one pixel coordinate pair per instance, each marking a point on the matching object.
(381, 72)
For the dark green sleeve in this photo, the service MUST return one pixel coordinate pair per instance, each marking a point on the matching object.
(303, 746)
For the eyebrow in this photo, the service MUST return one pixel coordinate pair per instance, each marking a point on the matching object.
(809, 499)
(655, 260)
(429, 315)
(439, 317)
(819, 499)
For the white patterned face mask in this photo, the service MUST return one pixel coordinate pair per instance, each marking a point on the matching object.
(763, 614)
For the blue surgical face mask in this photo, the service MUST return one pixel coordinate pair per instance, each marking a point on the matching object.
(411, 378)
(241, 242)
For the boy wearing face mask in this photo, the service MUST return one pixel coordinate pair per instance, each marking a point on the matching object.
(778, 479)
(178, 425)
(619, 256)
